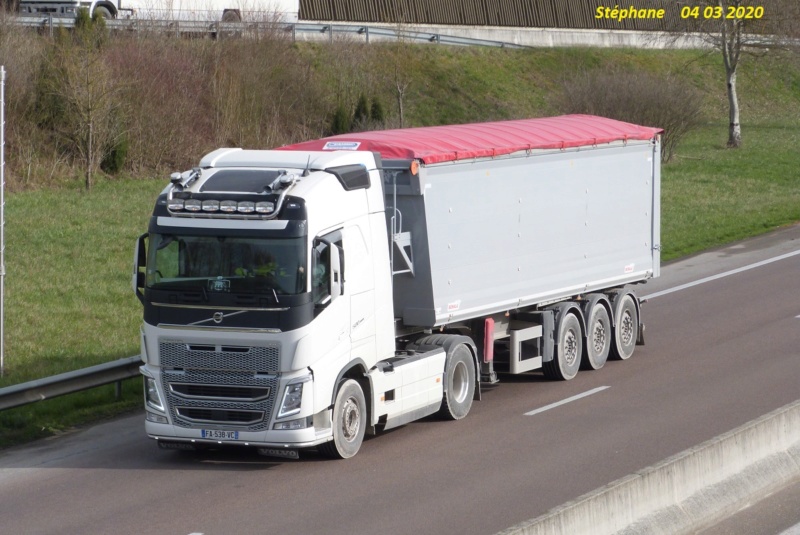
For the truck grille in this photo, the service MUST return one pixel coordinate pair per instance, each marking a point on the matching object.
(243, 399)
(208, 357)
(216, 416)
(231, 393)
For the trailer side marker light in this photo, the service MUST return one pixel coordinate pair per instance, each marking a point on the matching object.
(414, 167)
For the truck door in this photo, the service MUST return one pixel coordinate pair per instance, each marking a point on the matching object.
(331, 299)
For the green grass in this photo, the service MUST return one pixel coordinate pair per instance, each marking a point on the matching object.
(712, 195)
(69, 303)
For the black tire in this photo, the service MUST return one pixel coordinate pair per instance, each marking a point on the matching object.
(349, 422)
(459, 384)
(567, 357)
(102, 11)
(598, 338)
(626, 328)
(231, 15)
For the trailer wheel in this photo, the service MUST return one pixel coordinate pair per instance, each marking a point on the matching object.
(567, 358)
(626, 328)
(459, 384)
(598, 338)
(349, 422)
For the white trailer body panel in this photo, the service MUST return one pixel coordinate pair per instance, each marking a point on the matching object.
(489, 235)
(186, 10)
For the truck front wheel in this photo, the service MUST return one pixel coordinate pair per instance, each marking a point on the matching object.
(460, 384)
(349, 422)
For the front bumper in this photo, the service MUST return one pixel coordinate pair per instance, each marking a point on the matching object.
(299, 439)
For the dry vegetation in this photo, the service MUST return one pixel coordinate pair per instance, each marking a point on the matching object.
(146, 104)
(637, 97)
(154, 103)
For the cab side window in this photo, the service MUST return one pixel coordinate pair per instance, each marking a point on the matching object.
(320, 281)
(321, 267)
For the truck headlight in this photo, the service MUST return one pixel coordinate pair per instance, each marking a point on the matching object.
(292, 397)
(151, 395)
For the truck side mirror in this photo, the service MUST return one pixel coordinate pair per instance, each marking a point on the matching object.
(139, 264)
(336, 273)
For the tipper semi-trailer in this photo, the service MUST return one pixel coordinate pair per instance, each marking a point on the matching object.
(302, 297)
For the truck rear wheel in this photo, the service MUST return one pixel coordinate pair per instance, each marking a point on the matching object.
(349, 422)
(567, 358)
(598, 338)
(626, 328)
(459, 384)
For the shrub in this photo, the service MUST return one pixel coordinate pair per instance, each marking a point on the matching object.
(340, 122)
(376, 113)
(115, 156)
(636, 97)
(361, 114)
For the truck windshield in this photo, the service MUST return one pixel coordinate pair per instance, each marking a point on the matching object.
(226, 264)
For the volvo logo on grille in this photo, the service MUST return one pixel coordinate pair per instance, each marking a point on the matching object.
(217, 317)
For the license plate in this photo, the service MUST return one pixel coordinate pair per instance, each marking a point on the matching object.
(216, 434)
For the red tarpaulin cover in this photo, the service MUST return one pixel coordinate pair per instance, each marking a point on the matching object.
(432, 144)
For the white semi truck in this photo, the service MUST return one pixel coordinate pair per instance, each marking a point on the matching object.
(302, 297)
(194, 10)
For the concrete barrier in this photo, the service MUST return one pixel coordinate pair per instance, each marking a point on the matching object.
(534, 37)
(688, 491)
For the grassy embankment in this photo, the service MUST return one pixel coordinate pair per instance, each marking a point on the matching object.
(69, 302)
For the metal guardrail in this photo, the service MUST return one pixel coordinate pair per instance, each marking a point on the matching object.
(297, 30)
(70, 382)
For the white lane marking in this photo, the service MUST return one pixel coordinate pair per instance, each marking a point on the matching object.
(721, 275)
(568, 400)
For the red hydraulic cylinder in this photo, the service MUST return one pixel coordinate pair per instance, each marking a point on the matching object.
(488, 340)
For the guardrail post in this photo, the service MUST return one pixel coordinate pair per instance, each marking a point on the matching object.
(118, 390)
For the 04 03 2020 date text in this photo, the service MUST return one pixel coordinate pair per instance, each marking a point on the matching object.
(720, 12)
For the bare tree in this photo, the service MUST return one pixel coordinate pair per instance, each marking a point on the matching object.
(736, 27)
(730, 41)
(83, 90)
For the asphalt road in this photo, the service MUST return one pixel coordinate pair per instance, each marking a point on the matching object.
(718, 354)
